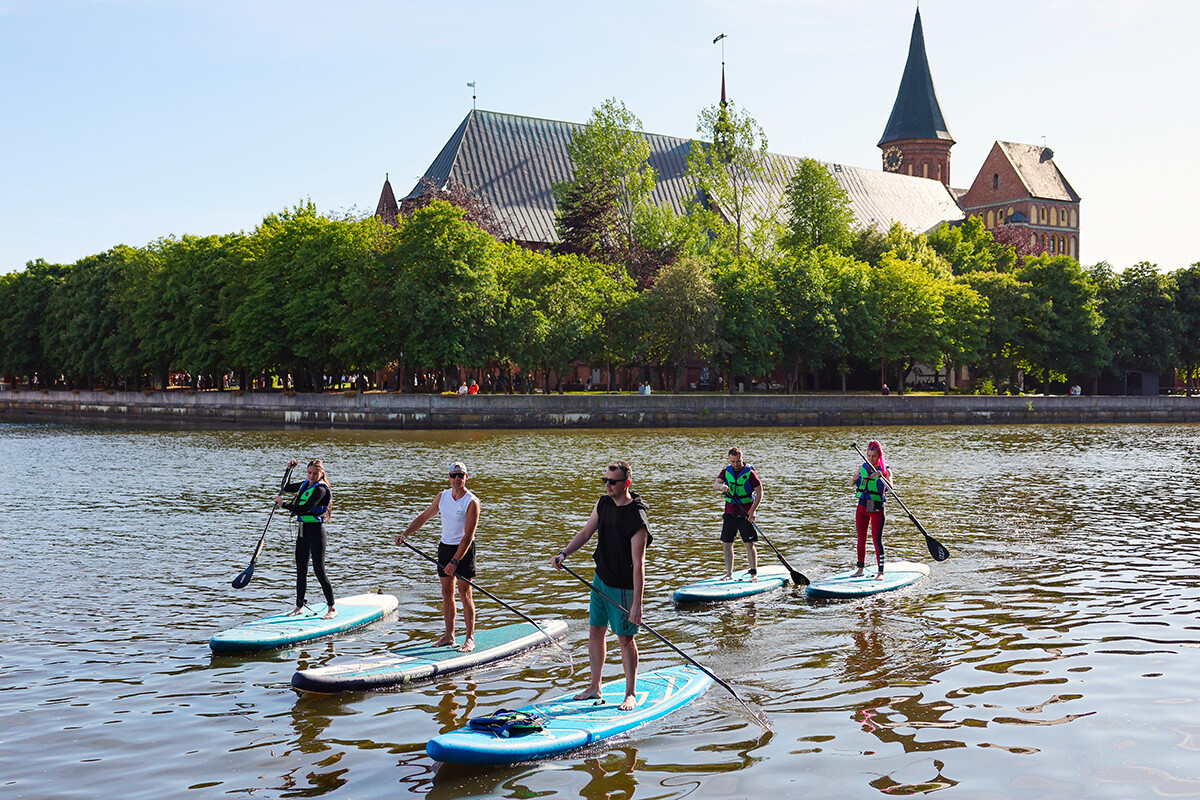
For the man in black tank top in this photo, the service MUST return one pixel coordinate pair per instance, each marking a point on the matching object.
(620, 580)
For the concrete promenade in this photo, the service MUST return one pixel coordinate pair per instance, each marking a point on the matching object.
(423, 411)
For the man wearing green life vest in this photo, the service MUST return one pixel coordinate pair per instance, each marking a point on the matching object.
(743, 492)
(311, 508)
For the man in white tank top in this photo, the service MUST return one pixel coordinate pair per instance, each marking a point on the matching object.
(459, 509)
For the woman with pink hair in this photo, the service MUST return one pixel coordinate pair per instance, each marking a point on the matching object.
(870, 488)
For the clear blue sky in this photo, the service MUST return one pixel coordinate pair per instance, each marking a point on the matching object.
(128, 120)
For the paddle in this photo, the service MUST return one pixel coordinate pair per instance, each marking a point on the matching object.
(550, 638)
(244, 578)
(757, 717)
(939, 552)
(797, 577)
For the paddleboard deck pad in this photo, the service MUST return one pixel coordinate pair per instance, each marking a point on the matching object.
(896, 575)
(715, 590)
(570, 724)
(280, 630)
(416, 662)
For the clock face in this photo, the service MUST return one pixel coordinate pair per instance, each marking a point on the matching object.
(892, 158)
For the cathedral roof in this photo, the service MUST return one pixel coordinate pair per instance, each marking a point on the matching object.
(916, 114)
(1037, 170)
(513, 163)
(387, 210)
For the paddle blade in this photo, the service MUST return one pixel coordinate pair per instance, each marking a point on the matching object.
(799, 579)
(244, 577)
(936, 549)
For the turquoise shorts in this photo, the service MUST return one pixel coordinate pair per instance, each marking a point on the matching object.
(603, 611)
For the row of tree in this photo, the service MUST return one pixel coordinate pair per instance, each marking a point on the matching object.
(311, 296)
(753, 289)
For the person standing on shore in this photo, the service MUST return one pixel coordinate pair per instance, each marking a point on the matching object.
(459, 509)
(870, 489)
(620, 579)
(311, 508)
(743, 492)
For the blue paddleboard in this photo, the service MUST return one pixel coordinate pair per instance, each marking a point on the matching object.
(280, 630)
(896, 575)
(714, 590)
(407, 664)
(571, 724)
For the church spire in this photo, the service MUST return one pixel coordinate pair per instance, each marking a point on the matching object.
(916, 114)
(916, 140)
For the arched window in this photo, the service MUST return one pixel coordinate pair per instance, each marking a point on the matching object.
(989, 220)
(1062, 244)
(1033, 240)
(1045, 217)
(1074, 248)
(1053, 243)
(995, 181)
(925, 170)
(1053, 215)
(1010, 213)
(1074, 218)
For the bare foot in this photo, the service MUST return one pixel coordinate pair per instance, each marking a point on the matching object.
(468, 645)
(295, 611)
(728, 577)
(590, 693)
(857, 573)
(629, 703)
(754, 579)
(879, 576)
(445, 640)
(330, 614)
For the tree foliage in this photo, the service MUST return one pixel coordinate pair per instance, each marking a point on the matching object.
(817, 209)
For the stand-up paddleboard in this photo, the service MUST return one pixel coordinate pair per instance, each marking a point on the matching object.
(280, 630)
(571, 724)
(408, 664)
(896, 574)
(714, 590)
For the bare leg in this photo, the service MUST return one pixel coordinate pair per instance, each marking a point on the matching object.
(295, 611)
(728, 547)
(468, 604)
(752, 557)
(629, 660)
(596, 648)
(330, 614)
(448, 611)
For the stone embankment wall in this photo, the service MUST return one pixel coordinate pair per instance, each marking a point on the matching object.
(421, 411)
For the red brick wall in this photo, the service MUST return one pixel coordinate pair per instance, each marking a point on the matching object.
(925, 158)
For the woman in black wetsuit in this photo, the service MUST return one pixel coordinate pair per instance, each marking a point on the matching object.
(311, 509)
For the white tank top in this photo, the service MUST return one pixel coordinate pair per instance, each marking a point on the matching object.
(454, 515)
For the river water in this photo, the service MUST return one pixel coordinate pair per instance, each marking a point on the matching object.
(1055, 655)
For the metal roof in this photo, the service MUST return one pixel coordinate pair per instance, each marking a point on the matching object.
(513, 163)
(916, 113)
(1037, 170)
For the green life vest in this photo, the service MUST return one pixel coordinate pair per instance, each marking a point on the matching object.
(316, 513)
(870, 486)
(736, 490)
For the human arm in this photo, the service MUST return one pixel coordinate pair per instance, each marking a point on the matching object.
(637, 546)
(421, 519)
(469, 523)
(579, 539)
(757, 494)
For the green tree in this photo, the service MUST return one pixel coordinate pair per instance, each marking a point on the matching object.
(1066, 334)
(612, 178)
(908, 303)
(969, 247)
(1187, 307)
(23, 300)
(730, 168)
(449, 289)
(806, 321)
(854, 308)
(685, 310)
(818, 210)
(1141, 322)
(1007, 334)
(964, 336)
(747, 337)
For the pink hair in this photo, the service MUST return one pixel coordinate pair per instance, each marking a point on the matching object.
(877, 446)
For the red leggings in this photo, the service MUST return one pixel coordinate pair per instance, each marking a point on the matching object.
(861, 516)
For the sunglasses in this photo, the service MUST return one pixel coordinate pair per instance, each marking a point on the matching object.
(458, 474)
(612, 481)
